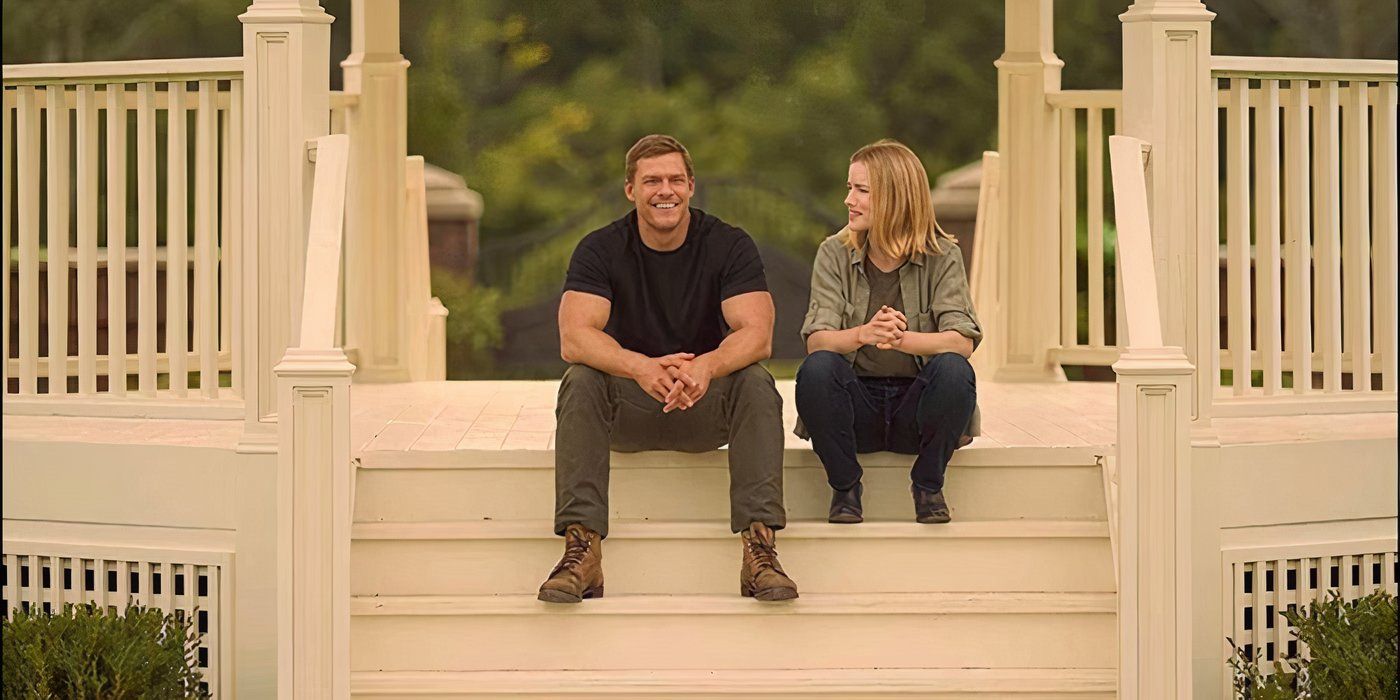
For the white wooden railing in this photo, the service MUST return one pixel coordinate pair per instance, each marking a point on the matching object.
(1153, 463)
(315, 474)
(1309, 208)
(1082, 161)
(77, 223)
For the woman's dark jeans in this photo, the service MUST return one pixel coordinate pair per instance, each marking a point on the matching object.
(847, 415)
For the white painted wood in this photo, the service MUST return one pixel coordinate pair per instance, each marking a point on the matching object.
(775, 684)
(177, 241)
(1298, 238)
(1237, 186)
(146, 238)
(1383, 232)
(1166, 71)
(663, 557)
(286, 50)
(116, 239)
(206, 298)
(380, 315)
(57, 234)
(1327, 237)
(1154, 461)
(87, 239)
(1289, 68)
(1356, 234)
(27, 139)
(984, 279)
(889, 631)
(1028, 139)
(231, 241)
(1094, 193)
(1268, 306)
(102, 72)
(6, 172)
(314, 467)
(1069, 220)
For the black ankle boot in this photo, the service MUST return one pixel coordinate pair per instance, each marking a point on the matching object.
(930, 507)
(845, 505)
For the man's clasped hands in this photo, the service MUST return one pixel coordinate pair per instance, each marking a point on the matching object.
(680, 380)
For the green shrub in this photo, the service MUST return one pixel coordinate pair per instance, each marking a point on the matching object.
(84, 652)
(1351, 653)
(473, 323)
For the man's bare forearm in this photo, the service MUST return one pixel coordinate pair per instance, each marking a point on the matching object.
(596, 349)
(739, 349)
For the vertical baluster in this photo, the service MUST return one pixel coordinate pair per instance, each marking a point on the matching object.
(57, 236)
(1267, 292)
(1237, 231)
(206, 319)
(27, 136)
(1069, 219)
(1306, 593)
(1388, 573)
(146, 237)
(6, 177)
(225, 230)
(143, 569)
(230, 255)
(1120, 322)
(1282, 597)
(1297, 231)
(1093, 183)
(1356, 234)
(11, 583)
(1327, 237)
(1383, 231)
(176, 242)
(116, 239)
(87, 240)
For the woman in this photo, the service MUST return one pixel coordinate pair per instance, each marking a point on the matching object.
(888, 331)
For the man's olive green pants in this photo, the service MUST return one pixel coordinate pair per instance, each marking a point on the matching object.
(597, 412)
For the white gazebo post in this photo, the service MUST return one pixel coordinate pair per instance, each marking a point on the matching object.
(286, 49)
(376, 304)
(1029, 143)
(1169, 102)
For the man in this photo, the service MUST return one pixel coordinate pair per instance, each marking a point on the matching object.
(665, 314)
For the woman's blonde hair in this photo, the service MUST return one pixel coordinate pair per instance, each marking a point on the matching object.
(902, 219)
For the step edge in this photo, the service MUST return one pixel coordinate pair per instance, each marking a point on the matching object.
(682, 529)
(799, 458)
(826, 681)
(932, 603)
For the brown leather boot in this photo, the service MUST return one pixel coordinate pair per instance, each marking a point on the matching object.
(761, 576)
(579, 574)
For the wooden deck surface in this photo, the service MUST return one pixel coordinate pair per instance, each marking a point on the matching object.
(519, 415)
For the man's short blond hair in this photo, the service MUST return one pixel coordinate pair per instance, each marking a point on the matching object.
(653, 145)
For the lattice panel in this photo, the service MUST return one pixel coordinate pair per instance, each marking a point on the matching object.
(1262, 589)
(190, 584)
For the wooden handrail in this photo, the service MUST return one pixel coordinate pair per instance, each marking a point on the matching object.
(1143, 316)
(1286, 68)
(165, 69)
(323, 245)
(1101, 99)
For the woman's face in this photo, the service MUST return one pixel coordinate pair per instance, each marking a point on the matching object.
(858, 197)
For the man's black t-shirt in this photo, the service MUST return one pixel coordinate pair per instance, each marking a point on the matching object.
(667, 302)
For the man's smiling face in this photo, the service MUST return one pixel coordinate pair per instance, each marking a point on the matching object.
(661, 189)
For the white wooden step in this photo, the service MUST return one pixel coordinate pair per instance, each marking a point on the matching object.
(926, 630)
(768, 684)
(696, 487)
(513, 557)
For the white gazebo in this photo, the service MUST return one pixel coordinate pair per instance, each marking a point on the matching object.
(275, 441)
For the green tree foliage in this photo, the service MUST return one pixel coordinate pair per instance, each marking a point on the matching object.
(85, 652)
